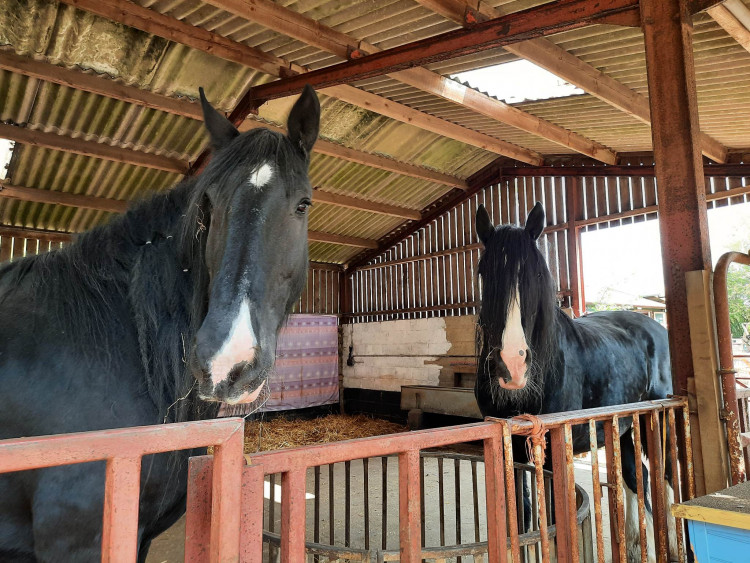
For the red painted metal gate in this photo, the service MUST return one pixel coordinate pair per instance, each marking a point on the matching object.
(123, 450)
(651, 418)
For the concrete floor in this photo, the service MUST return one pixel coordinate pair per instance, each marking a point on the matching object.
(168, 548)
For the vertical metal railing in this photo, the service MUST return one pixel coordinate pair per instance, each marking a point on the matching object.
(123, 450)
(662, 424)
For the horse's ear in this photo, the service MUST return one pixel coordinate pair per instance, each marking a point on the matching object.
(485, 228)
(535, 221)
(219, 127)
(304, 120)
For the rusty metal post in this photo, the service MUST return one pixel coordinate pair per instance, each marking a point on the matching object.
(510, 493)
(730, 412)
(667, 29)
(410, 527)
(226, 496)
(641, 494)
(198, 511)
(597, 490)
(293, 516)
(614, 489)
(495, 492)
(121, 496)
(658, 502)
(561, 439)
(251, 532)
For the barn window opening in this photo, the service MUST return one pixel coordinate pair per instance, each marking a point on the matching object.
(6, 151)
(517, 82)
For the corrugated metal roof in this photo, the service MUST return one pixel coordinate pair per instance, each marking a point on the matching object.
(75, 39)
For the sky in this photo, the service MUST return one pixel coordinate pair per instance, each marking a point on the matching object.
(628, 258)
(518, 81)
(6, 150)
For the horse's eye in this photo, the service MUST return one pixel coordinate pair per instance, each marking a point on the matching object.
(303, 205)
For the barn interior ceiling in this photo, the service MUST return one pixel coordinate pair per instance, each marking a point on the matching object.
(100, 97)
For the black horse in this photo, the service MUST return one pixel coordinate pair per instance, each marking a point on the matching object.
(533, 358)
(179, 299)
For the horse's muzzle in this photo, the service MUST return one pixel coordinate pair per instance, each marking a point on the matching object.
(512, 368)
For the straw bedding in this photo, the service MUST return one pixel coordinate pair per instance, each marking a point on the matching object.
(284, 432)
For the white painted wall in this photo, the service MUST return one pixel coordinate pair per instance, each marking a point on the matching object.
(390, 354)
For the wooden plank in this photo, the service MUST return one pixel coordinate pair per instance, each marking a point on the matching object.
(708, 396)
(91, 148)
(364, 205)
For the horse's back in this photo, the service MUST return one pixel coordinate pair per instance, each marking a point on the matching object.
(618, 357)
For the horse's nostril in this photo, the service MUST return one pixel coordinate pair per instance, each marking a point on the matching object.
(528, 357)
(235, 372)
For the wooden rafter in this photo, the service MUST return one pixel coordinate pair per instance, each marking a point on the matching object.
(91, 148)
(59, 236)
(298, 26)
(23, 193)
(321, 196)
(734, 17)
(151, 21)
(104, 87)
(546, 54)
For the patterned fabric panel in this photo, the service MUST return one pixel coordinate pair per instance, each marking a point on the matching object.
(307, 366)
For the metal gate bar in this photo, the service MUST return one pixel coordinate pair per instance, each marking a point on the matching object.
(123, 449)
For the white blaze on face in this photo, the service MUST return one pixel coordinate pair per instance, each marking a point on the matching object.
(515, 348)
(261, 175)
(238, 347)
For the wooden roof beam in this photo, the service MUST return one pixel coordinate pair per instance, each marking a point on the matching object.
(91, 148)
(546, 54)
(151, 21)
(303, 28)
(184, 107)
(59, 236)
(61, 198)
(322, 196)
(734, 17)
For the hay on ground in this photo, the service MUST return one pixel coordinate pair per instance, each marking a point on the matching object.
(284, 432)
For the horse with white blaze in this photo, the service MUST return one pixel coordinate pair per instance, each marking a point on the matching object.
(155, 317)
(535, 359)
